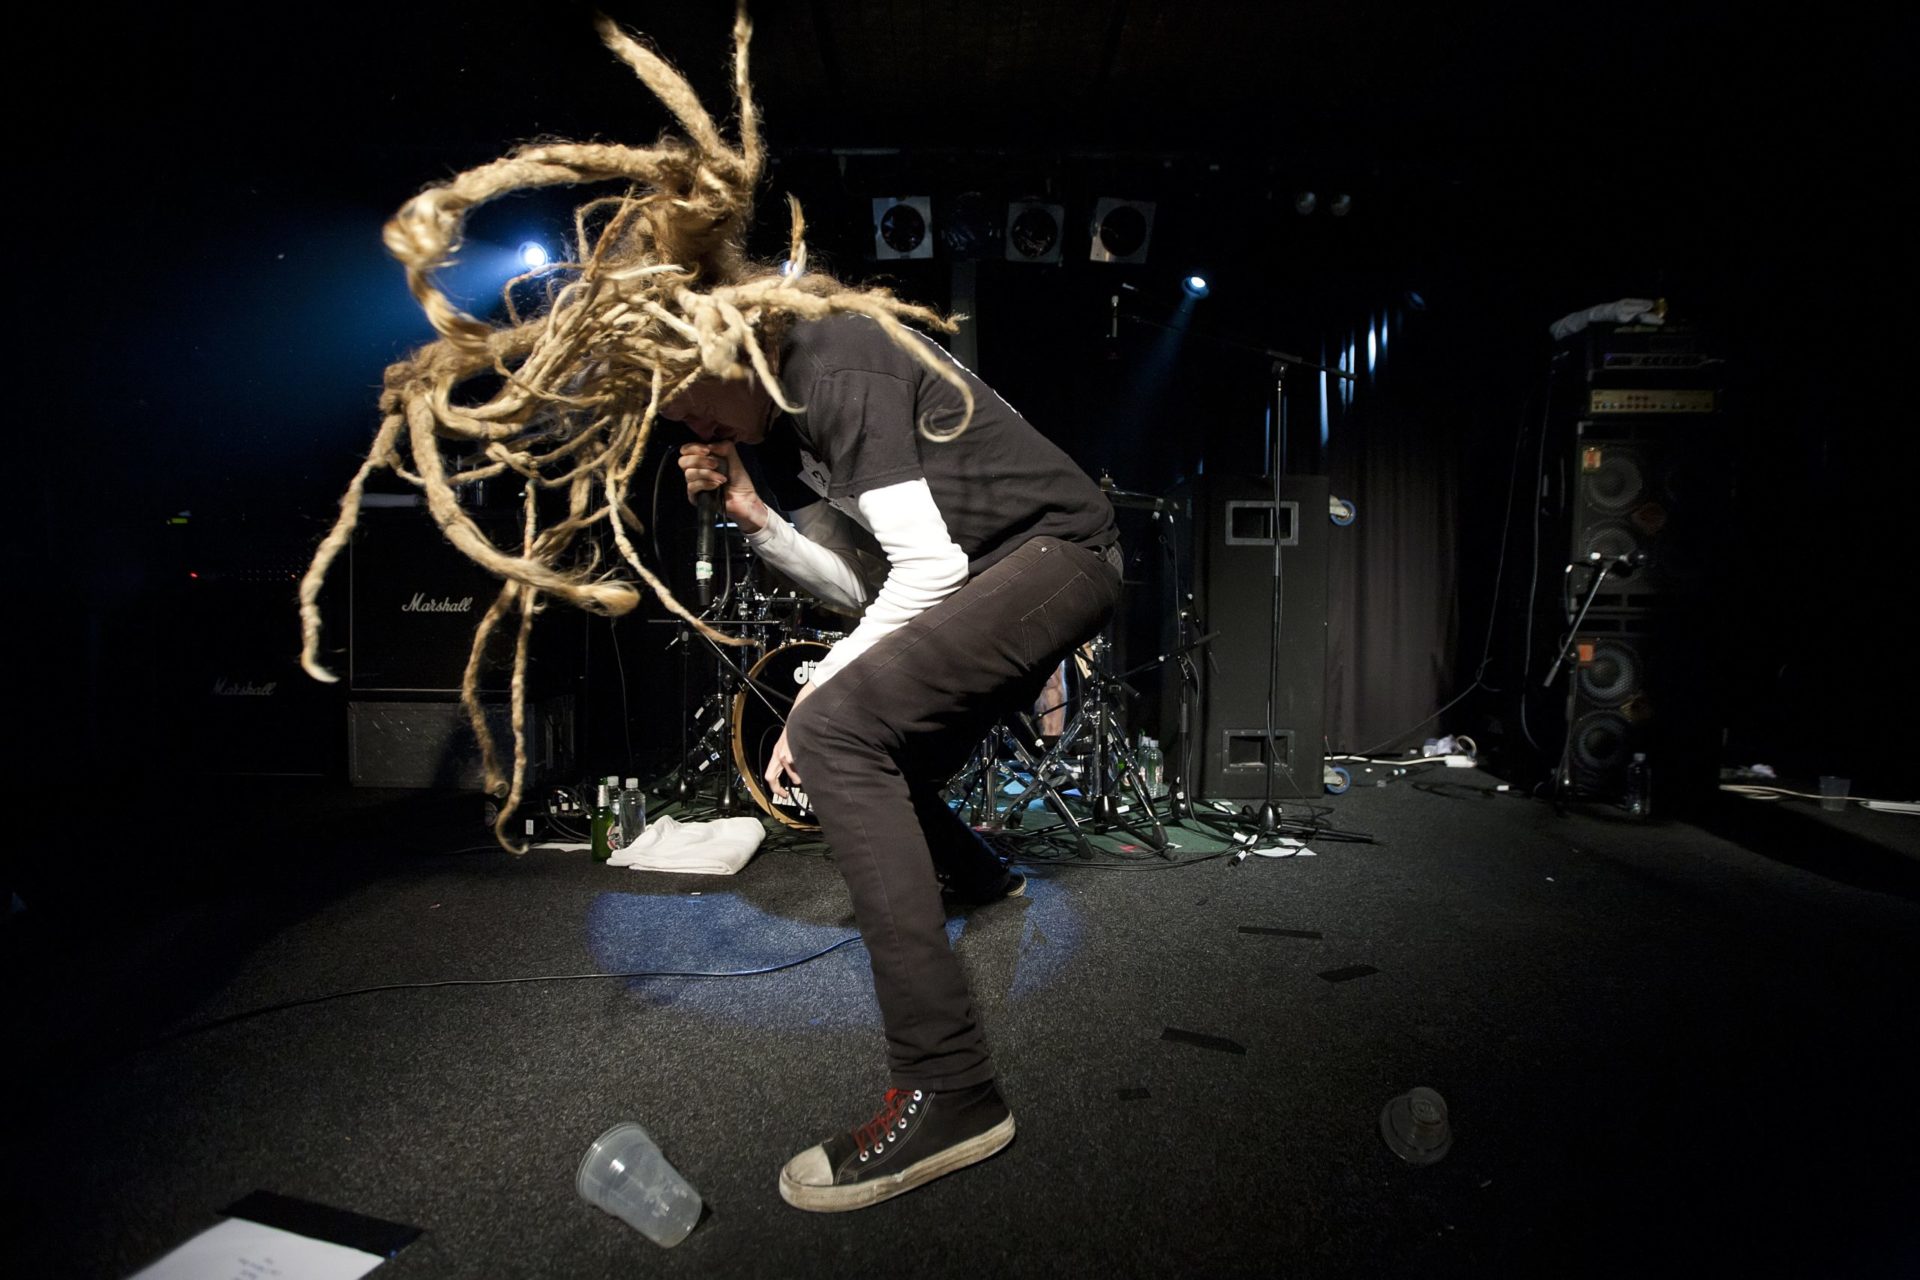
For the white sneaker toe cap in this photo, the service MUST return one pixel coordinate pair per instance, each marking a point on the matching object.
(809, 1169)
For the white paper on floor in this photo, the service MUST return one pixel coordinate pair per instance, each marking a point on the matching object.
(241, 1250)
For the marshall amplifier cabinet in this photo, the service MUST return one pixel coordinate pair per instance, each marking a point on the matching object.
(416, 601)
(432, 745)
(239, 701)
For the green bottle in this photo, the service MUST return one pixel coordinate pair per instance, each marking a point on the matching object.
(603, 820)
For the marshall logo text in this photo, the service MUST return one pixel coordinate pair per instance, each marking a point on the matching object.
(225, 688)
(446, 604)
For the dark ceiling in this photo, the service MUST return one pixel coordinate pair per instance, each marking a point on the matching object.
(376, 102)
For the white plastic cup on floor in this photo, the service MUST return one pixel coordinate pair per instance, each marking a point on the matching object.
(1833, 792)
(624, 1173)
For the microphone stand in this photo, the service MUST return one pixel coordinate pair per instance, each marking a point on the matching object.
(1606, 565)
(1563, 773)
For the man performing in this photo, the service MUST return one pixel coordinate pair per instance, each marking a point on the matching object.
(1000, 560)
(997, 549)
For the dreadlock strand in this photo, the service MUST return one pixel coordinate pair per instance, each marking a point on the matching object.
(503, 600)
(658, 294)
(315, 577)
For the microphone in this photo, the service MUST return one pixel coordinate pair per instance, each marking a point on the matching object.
(709, 508)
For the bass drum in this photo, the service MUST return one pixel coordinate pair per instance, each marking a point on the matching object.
(760, 717)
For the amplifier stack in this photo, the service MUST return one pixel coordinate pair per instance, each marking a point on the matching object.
(1647, 504)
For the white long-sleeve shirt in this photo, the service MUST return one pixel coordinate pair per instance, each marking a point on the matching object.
(923, 563)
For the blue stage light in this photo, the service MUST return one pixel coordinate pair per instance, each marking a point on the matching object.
(533, 255)
(1196, 286)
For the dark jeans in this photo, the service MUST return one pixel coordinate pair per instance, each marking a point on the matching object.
(876, 744)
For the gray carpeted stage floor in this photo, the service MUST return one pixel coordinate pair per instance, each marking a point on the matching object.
(1674, 1048)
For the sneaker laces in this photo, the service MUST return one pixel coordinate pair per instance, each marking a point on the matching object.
(875, 1131)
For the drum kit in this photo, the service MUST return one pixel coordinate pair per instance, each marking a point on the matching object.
(1086, 774)
(741, 720)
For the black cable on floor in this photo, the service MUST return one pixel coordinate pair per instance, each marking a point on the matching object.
(246, 1014)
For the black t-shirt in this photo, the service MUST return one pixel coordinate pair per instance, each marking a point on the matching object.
(997, 485)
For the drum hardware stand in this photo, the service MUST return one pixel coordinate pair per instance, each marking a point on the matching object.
(986, 814)
(713, 718)
(1097, 718)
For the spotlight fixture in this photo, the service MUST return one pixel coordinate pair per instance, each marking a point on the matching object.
(968, 232)
(1196, 286)
(533, 255)
(1305, 202)
(1033, 231)
(902, 227)
(1342, 205)
(1121, 230)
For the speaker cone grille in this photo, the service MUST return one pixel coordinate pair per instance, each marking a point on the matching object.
(1612, 676)
(1600, 741)
(1615, 485)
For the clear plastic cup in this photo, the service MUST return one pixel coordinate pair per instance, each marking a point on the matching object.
(1833, 792)
(1415, 1126)
(624, 1173)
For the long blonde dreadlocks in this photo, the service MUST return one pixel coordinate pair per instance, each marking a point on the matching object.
(659, 294)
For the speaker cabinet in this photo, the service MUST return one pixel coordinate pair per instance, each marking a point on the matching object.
(239, 702)
(416, 601)
(1639, 686)
(432, 744)
(1228, 528)
(1649, 497)
(1652, 498)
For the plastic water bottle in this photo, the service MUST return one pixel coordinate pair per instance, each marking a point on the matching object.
(633, 812)
(1149, 760)
(1639, 787)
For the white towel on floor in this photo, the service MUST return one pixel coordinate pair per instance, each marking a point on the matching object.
(717, 848)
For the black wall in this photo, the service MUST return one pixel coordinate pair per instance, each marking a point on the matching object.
(214, 314)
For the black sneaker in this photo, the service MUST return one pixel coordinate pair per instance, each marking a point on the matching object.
(917, 1137)
(1009, 884)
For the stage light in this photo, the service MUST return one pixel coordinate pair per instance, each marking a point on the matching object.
(1122, 229)
(789, 268)
(902, 227)
(1305, 202)
(533, 255)
(1414, 301)
(968, 230)
(1342, 205)
(1033, 231)
(1196, 286)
